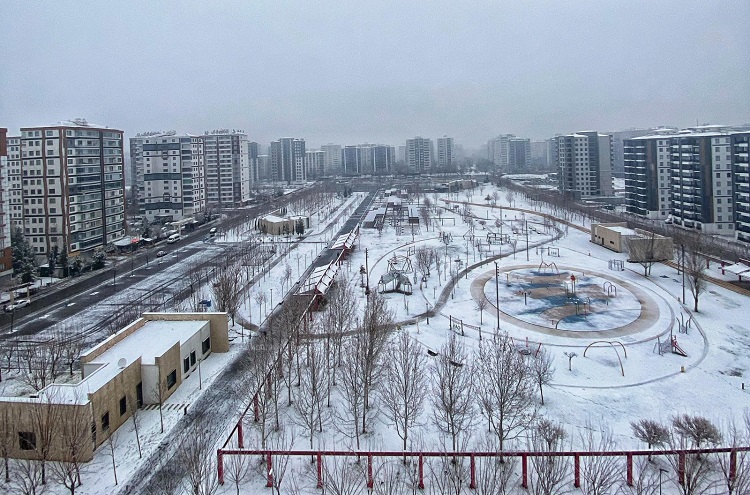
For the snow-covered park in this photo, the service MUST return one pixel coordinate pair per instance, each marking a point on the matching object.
(622, 348)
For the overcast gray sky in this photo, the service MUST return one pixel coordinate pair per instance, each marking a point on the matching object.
(375, 71)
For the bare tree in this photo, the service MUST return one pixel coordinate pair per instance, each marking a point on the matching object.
(448, 476)
(735, 472)
(310, 396)
(227, 290)
(697, 429)
(542, 369)
(341, 477)
(236, 469)
(550, 471)
(339, 317)
(599, 472)
(352, 388)
(405, 385)
(112, 447)
(481, 306)
(495, 198)
(453, 392)
(694, 262)
(376, 325)
(506, 389)
(8, 437)
(135, 418)
(197, 457)
(424, 213)
(45, 420)
(425, 257)
(650, 432)
(645, 480)
(260, 299)
(283, 440)
(74, 437)
(495, 476)
(697, 470)
(28, 478)
(648, 250)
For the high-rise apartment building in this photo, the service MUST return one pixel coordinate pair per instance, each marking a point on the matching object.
(288, 160)
(647, 176)
(332, 163)
(446, 153)
(739, 143)
(227, 170)
(252, 157)
(419, 155)
(509, 153)
(366, 159)
(314, 163)
(170, 175)
(68, 187)
(6, 251)
(264, 167)
(584, 164)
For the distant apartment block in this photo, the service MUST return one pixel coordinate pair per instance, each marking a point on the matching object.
(288, 160)
(584, 164)
(228, 180)
(419, 155)
(6, 251)
(538, 154)
(332, 162)
(315, 163)
(67, 186)
(739, 146)
(170, 172)
(368, 159)
(446, 153)
(509, 153)
(252, 158)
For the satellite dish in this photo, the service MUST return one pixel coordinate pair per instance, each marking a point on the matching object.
(122, 362)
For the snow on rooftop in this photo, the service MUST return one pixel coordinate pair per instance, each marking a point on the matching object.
(622, 230)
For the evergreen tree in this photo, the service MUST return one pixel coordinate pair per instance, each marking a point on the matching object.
(24, 261)
(52, 258)
(63, 261)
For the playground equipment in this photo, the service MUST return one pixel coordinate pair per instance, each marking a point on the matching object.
(670, 345)
(395, 281)
(551, 266)
(401, 264)
(616, 265)
(609, 287)
(612, 344)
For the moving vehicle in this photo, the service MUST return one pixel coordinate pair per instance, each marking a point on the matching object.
(173, 238)
(20, 303)
(212, 232)
(159, 254)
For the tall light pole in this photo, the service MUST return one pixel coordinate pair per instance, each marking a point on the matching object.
(661, 470)
(682, 246)
(271, 298)
(527, 240)
(497, 294)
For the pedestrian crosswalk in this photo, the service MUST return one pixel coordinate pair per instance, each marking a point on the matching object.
(166, 407)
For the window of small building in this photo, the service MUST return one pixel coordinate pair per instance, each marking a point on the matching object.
(105, 421)
(27, 440)
(186, 365)
(206, 345)
(192, 358)
(171, 379)
(123, 405)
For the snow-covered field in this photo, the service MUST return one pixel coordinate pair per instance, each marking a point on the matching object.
(708, 381)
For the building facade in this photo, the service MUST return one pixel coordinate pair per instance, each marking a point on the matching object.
(227, 170)
(332, 162)
(252, 158)
(170, 175)
(741, 166)
(419, 155)
(288, 160)
(446, 153)
(584, 164)
(647, 176)
(314, 163)
(68, 186)
(6, 250)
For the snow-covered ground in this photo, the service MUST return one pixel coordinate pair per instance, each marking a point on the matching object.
(709, 381)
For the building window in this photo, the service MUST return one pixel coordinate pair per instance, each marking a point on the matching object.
(27, 440)
(171, 379)
(186, 365)
(206, 345)
(105, 421)
(123, 405)
(192, 358)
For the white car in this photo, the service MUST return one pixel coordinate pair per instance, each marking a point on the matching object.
(20, 303)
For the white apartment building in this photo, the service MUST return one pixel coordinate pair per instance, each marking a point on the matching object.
(68, 187)
(315, 163)
(584, 163)
(288, 160)
(332, 163)
(227, 168)
(419, 154)
(446, 153)
(169, 174)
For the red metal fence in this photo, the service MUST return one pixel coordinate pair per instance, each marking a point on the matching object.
(576, 455)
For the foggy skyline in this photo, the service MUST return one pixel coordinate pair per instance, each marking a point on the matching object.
(355, 72)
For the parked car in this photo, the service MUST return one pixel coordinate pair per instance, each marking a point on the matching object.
(20, 303)
(173, 238)
(212, 232)
(159, 254)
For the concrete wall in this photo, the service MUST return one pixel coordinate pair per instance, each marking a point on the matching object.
(107, 399)
(194, 344)
(608, 238)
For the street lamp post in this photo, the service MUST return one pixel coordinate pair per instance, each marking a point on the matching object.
(661, 470)
(682, 247)
(497, 295)
(271, 298)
